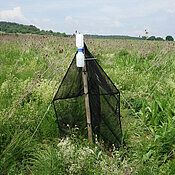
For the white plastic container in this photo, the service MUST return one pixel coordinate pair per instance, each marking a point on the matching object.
(80, 55)
(80, 59)
(79, 41)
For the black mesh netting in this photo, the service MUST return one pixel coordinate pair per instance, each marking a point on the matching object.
(104, 99)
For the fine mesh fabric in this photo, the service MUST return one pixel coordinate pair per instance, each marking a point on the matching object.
(104, 101)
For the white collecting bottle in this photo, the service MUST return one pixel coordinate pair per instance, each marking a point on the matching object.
(80, 55)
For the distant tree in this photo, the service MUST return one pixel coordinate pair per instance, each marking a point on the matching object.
(37, 32)
(50, 32)
(169, 38)
(64, 35)
(159, 39)
(58, 33)
(152, 38)
(144, 37)
(42, 32)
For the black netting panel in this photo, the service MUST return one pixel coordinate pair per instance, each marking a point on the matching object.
(71, 113)
(72, 84)
(104, 99)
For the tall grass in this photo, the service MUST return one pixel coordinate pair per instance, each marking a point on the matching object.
(31, 68)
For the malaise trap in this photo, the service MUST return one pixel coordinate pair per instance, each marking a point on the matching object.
(104, 102)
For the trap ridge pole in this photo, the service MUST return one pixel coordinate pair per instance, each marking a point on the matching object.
(88, 113)
(81, 63)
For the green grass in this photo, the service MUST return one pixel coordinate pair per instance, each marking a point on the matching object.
(143, 71)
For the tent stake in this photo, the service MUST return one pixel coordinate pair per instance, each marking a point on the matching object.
(88, 113)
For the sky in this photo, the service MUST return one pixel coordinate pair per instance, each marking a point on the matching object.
(116, 17)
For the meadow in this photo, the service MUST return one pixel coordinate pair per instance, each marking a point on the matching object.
(31, 69)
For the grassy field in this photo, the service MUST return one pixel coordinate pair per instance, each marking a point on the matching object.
(31, 69)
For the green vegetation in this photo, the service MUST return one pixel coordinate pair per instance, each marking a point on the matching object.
(9, 27)
(153, 38)
(31, 69)
(112, 37)
(169, 38)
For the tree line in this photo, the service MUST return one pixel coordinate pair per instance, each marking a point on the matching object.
(112, 37)
(154, 38)
(9, 27)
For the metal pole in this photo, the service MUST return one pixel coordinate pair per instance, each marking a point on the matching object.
(88, 113)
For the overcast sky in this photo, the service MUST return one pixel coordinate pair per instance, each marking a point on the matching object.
(119, 17)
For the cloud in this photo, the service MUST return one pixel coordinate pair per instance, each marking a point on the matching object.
(171, 11)
(94, 16)
(135, 9)
(14, 15)
(69, 19)
(118, 24)
(46, 20)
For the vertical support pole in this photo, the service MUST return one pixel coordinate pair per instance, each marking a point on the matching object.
(88, 113)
